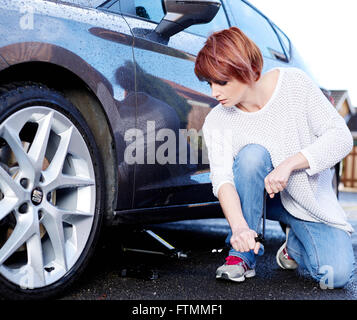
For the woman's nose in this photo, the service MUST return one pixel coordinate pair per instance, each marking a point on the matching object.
(214, 90)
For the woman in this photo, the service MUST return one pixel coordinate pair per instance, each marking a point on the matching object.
(275, 132)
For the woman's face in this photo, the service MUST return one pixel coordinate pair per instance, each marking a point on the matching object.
(228, 93)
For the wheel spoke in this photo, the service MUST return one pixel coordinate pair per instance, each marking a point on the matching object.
(69, 214)
(6, 206)
(54, 178)
(54, 170)
(13, 140)
(68, 181)
(39, 145)
(36, 277)
(65, 214)
(8, 185)
(22, 232)
(52, 222)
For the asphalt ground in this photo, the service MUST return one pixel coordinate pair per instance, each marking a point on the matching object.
(117, 275)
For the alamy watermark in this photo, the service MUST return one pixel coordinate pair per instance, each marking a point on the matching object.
(168, 146)
(327, 280)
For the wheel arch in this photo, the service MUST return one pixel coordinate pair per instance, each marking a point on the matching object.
(87, 102)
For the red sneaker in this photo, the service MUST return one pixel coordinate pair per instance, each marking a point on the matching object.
(234, 269)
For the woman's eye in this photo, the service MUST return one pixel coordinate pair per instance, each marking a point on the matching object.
(222, 83)
(209, 83)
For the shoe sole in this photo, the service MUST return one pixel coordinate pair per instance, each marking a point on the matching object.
(280, 250)
(225, 276)
(279, 262)
(277, 256)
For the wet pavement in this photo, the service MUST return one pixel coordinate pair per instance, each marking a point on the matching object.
(117, 275)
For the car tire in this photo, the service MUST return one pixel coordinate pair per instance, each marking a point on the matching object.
(51, 192)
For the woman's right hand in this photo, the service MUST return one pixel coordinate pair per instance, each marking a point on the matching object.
(243, 240)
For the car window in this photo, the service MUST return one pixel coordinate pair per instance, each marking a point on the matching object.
(153, 10)
(258, 29)
(149, 9)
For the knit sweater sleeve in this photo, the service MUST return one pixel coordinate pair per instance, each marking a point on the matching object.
(219, 147)
(333, 140)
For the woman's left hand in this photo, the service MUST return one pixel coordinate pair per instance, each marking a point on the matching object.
(277, 180)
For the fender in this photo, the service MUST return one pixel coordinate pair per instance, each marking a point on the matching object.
(44, 52)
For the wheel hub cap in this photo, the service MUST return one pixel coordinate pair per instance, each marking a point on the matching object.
(36, 196)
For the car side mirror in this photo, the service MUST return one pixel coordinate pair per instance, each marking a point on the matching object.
(184, 13)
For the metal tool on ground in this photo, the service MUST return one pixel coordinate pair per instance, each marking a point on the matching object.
(147, 242)
(148, 246)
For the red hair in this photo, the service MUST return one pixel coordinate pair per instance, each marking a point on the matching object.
(228, 54)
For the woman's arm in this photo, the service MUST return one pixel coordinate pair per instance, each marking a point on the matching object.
(296, 162)
(230, 203)
(219, 148)
(243, 238)
(277, 179)
(218, 142)
(333, 138)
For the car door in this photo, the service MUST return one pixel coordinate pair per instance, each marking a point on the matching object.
(171, 163)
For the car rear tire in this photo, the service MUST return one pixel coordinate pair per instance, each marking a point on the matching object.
(51, 192)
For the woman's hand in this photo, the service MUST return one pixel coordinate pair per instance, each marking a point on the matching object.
(277, 180)
(243, 240)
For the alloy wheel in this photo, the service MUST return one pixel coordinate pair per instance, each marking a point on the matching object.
(47, 196)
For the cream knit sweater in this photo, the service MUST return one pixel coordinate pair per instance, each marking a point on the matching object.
(297, 118)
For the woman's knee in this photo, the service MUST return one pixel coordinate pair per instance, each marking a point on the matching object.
(326, 251)
(252, 159)
(333, 276)
(342, 274)
(334, 270)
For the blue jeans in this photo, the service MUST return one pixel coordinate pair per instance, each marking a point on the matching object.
(324, 251)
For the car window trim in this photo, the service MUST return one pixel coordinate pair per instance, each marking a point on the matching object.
(280, 41)
(107, 4)
(224, 6)
(276, 27)
(271, 25)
